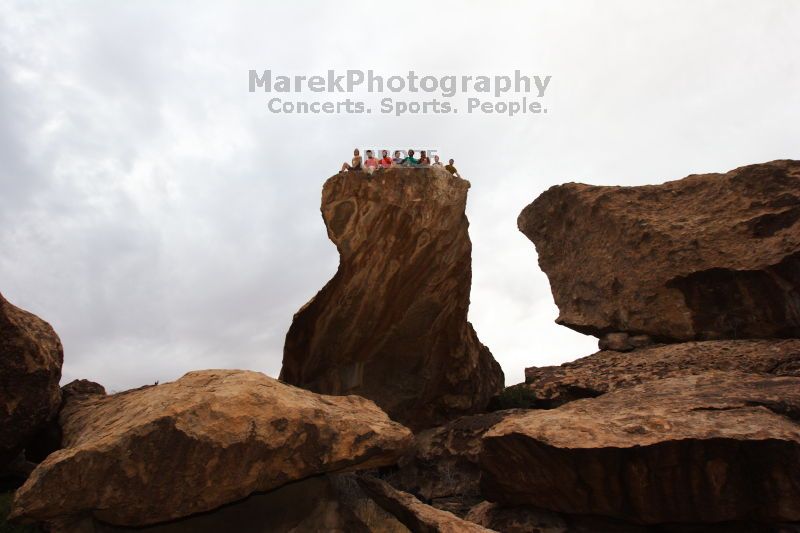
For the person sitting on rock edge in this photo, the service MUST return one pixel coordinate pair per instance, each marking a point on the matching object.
(424, 160)
(371, 163)
(410, 161)
(355, 163)
(397, 160)
(451, 169)
(436, 162)
(386, 161)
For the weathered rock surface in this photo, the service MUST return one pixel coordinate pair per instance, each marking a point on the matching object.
(323, 504)
(606, 371)
(713, 256)
(30, 368)
(392, 323)
(442, 468)
(212, 437)
(416, 516)
(714, 447)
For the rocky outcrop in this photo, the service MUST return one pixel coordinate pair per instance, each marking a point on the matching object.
(416, 516)
(392, 323)
(707, 448)
(605, 371)
(713, 256)
(212, 437)
(30, 369)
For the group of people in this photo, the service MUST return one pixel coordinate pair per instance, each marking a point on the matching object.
(372, 163)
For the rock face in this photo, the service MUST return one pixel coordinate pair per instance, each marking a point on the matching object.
(714, 256)
(606, 371)
(417, 517)
(30, 368)
(212, 437)
(714, 447)
(392, 323)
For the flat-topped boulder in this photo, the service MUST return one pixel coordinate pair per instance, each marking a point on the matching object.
(707, 448)
(210, 438)
(392, 323)
(712, 256)
(605, 371)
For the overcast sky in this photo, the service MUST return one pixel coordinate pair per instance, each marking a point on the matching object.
(162, 220)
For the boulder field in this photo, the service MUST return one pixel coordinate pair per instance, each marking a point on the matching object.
(687, 420)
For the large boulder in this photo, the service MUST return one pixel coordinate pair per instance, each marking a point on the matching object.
(588, 377)
(210, 438)
(713, 256)
(707, 448)
(392, 323)
(30, 369)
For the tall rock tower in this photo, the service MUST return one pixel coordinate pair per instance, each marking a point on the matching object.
(392, 323)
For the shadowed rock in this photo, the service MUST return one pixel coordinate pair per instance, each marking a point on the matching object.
(415, 515)
(48, 439)
(713, 256)
(442, 467)
(212, 437)
(714, 447)
(324, 504)
(528, 519)
(30, 368)
(392, 323)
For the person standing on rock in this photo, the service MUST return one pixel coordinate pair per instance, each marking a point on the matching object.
(355, 163)
(451, 169)
(397, 160)
(436, 162)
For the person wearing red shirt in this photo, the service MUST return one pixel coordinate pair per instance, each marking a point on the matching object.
(386, 161)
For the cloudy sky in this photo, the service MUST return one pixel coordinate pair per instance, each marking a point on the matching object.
(162, 219)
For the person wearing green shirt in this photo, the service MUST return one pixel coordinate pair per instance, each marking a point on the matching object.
(410, 161)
